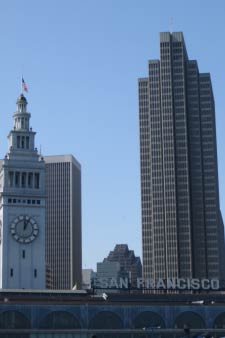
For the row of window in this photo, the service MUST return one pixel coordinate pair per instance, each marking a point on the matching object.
(14, 200)
(143, 97)
(24, 179)
(21, 123)
(22, 142)
(12, 271)
(143, 84)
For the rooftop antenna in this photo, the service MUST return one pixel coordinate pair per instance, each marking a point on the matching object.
(171, 24)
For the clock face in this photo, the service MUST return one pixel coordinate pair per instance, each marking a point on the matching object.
(24, 229)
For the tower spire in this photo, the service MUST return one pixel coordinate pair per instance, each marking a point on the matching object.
(21, 116)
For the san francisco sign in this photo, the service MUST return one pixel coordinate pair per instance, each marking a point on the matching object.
(159, 284)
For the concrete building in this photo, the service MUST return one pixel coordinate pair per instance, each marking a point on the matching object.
(182, 227)
(88, 276)
(40, 213)
(22, 208)
(120, 263)
(130, 263)
(63, 221)
(107, 269)
(81, 315)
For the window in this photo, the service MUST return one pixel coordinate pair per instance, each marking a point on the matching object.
(17, 179)
(11, 178)
(18, 141)
(30, 180)
(27, 142)
(23, 180)
(11, 272)
(36, 181)
(22, 142)
(35, 273)
(23, 253)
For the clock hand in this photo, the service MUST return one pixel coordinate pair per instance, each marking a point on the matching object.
(26, 223)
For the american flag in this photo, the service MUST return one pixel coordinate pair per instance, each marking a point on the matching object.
(24, 86)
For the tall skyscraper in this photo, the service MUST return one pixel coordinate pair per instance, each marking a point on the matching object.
(182, 227)
(22, 208)
(63, 221)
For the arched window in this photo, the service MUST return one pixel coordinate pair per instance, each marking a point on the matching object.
(189, 319)
(60, 320)
(13, 320)
(219, 322)
(148, 320)
(106, 320)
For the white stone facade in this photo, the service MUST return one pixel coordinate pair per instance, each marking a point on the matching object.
(22, 208)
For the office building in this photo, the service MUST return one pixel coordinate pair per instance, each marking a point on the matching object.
(120, 263)
(22, 207)
(78, 314)
(128, 261)
(107, 269)
(182, 227)
(63, 221)
(88, 276)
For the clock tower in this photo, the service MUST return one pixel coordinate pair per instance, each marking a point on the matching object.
(22, 208)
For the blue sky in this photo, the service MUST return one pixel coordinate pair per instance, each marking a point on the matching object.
(81, 61)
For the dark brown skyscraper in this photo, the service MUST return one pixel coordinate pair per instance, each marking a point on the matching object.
(182, 227)
(63, 222)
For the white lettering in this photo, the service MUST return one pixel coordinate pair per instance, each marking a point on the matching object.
(195, 283)
(150, 283)
(205, 284)
(123, 283)
(181, 283)
(140, 283)
(171, 283)
(113, 283)
(188, 283)
(160, 284)
(215, 284)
